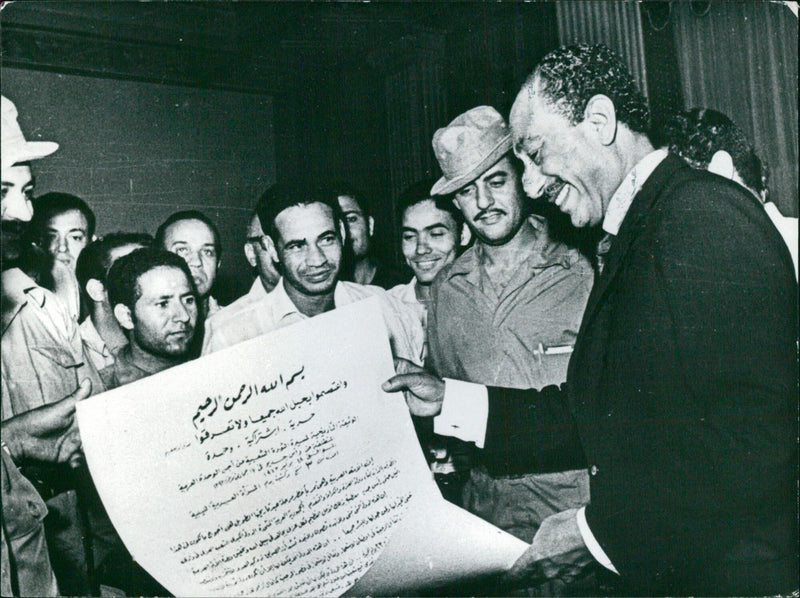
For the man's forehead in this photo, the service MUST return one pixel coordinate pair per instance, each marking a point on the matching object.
(184, 230)
(118, 252)
(502, 166)
(348, 204)
(163, 280)
(71, 218)
(425, 214)
(304, 218)
(526, 112)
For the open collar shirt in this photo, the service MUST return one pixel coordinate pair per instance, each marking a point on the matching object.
(42, 358)
(96, 348)
(520, 336)
(276, 310)
(124, 370)
(407, 295)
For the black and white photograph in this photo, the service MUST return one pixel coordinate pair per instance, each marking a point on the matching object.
(385, 298)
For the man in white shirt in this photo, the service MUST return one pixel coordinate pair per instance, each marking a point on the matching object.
(101, 334)
(257, 255)
(682, 387)
(304, 233)
(432, 232)
(255, 251)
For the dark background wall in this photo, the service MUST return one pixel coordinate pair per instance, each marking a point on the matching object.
(136, 152)
(161, 106)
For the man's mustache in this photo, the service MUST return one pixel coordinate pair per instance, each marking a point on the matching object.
(486, 212)
(552, 190)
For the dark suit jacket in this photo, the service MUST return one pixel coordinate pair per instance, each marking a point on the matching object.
(683, 389)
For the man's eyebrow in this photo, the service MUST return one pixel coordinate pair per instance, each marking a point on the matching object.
(430, 227)
(496, 174)
(437, 225)
(163, 297)
(51, 229)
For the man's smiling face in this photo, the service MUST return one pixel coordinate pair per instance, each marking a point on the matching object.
(563, 163)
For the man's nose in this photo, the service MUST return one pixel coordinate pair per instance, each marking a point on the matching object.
(61, 244)
(180, 312)
(193, 259)
(423, 246)
(17, 207)
(315, 256)
(533, 181)
(483, 198)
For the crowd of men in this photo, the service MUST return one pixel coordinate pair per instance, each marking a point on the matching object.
(631, 413)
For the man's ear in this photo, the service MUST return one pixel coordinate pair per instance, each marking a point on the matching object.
(722, 164)
(466, 234)
(601, 116)
(250, 254)
(96, 290)
(370, 224)
(272, 251)
(123, 315)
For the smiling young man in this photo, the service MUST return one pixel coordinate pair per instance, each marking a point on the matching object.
(303, 233)
(507, 311)
(432, 233)
(154, 300)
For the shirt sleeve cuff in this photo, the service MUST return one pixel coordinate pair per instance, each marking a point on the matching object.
(465, 411)
(591, 542)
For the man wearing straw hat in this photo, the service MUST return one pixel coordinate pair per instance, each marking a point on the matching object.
(42, 362)
(42, 358)
(507, 311)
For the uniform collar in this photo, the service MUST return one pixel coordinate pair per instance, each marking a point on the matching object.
(631, 185)
(543, 252)
(18, 289)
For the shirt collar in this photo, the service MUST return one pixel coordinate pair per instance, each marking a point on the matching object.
(631, 185)
(257, 291)
(124, 359)
(92, 338)
(283, 307)
(17, 289)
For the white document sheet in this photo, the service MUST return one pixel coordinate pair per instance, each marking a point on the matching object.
(279, 468)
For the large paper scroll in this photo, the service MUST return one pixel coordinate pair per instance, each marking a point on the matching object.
(279, 468)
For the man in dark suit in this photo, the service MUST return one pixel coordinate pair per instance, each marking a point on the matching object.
(682, 388)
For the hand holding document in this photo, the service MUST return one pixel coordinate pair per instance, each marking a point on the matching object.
(278, 467)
